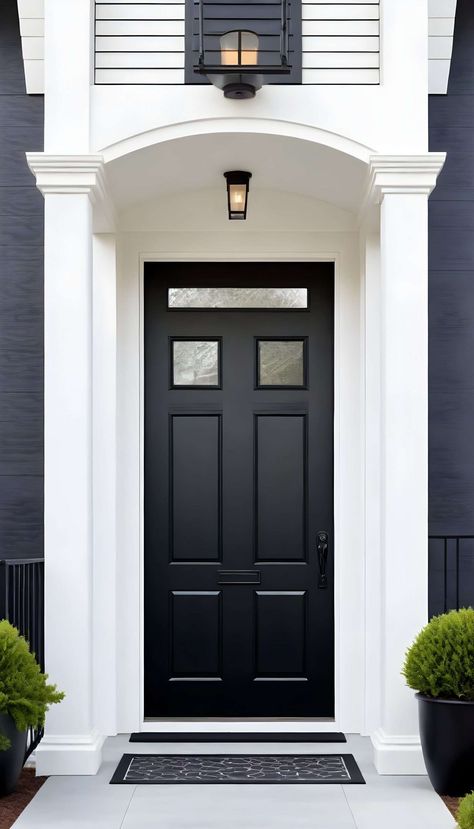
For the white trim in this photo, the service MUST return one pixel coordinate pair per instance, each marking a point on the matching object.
(66, 174)
(404, 174)
(219, 724)
(260, 126)
(348, 664)
(399, 174)
(395, 754)
(69, 754)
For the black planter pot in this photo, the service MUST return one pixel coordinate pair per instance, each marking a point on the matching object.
(11, 760)
(447, 740)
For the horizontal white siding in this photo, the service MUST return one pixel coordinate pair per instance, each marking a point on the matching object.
(31, 18)
(139, 11)
(143, 43)
(441, 29)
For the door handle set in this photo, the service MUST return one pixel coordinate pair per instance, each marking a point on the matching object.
(254, 576)
(322, 539)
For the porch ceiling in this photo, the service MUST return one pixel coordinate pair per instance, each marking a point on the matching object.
(276, 163)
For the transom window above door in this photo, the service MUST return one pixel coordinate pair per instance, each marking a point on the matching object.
(238, 298)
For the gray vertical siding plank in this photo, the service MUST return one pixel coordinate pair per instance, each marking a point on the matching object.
(451, 306)
(21, 304)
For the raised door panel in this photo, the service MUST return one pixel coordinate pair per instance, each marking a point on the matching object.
(280, 482)
(195, 473)
(280, 635)
(195, 626)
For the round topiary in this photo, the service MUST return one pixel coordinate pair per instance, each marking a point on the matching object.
(440, 663)
(24, 692)
(465, 813)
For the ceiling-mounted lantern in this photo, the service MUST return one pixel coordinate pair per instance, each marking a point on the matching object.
(237, 193)
(240, 72)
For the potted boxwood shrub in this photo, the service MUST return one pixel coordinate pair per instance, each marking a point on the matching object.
(440, 666)
(465, 813)
(25, 696)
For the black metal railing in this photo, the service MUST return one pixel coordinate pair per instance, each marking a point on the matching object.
(451, 572)
(22, 603)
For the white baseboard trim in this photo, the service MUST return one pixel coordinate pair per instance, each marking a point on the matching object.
(397, 754)
(69, 754)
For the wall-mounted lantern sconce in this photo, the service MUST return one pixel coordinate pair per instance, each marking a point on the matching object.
(239, 49)
(237, 193)
(240, 72)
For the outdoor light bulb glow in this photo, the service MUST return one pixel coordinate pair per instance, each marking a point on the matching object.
(237, 196)
(239, 49)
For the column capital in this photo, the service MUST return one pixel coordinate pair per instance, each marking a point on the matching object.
(406, 174)
(68, 174)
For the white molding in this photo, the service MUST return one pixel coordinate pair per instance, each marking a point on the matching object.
(134, 250)
(69, 174)
(403, 174)
(395, 754)
(69, 754)
(242, 124)
(264, 725)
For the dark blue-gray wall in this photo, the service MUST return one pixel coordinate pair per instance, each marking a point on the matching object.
(21, 304)
(452, 327)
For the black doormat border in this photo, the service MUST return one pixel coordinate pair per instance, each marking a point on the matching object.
(351, 767)
(233, 737)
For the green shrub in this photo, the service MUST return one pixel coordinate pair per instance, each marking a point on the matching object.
(465, 813)
(24, 692)
(440, 663)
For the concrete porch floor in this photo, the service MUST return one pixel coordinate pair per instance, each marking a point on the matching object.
(91, 803)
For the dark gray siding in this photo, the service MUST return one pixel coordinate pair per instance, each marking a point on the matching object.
(452, 324)
(21, 304)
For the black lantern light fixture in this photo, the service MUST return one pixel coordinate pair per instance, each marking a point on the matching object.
(241, 71)
(237, 193)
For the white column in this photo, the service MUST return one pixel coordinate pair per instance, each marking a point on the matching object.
(71, 744)
(402, 186)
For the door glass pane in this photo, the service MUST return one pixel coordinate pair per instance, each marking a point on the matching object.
(281, 363)
(289, 298)
(195, 363)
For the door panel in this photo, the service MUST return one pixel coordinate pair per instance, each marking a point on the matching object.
(195, 625)
(195, 491)
(280, 482)
(238, 482)
(280, 628)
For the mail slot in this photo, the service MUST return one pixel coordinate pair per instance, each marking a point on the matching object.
(238, 577)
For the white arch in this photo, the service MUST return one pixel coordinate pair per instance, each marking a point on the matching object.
(258, 126)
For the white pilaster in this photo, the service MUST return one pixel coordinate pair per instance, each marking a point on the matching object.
(402, 185)
(104, 483)
(69, 184)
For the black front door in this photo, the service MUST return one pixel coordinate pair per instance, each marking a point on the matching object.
(239, 490)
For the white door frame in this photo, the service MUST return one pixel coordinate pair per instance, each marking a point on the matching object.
(349, 567)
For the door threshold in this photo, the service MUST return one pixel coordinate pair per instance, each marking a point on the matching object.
(238, 737)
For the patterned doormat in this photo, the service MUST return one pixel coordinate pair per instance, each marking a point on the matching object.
(237, 768)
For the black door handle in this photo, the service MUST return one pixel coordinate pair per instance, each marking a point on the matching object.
(322, 548)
